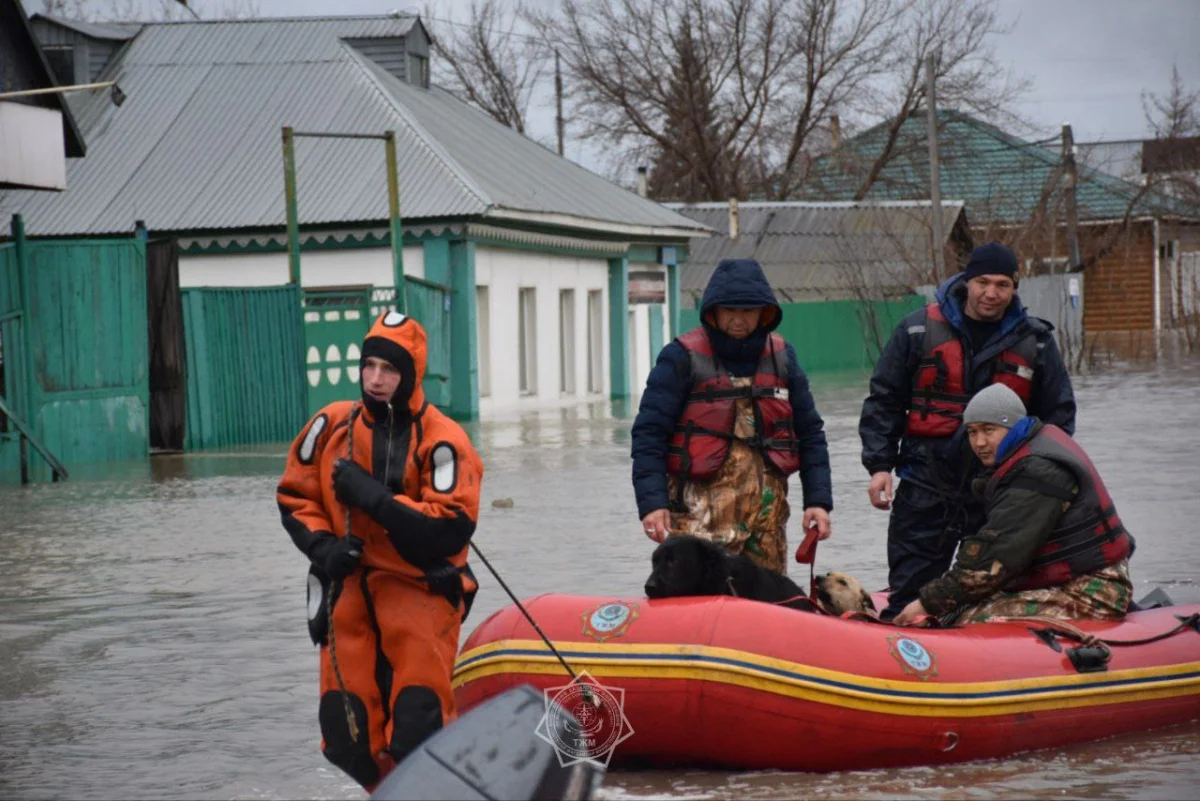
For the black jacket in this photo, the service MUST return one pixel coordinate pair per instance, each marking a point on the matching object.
(943, 462)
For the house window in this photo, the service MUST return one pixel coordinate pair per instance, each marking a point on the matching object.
(418, 70)
(566, 341)
(595, 343)
(483, 329)
(527, 345)
(62, 63)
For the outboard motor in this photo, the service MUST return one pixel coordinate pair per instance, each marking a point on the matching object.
(494, 752)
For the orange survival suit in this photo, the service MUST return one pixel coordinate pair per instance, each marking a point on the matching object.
(386, 529)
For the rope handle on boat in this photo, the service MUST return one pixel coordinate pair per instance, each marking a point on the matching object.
(1062, 627)
(584, 690)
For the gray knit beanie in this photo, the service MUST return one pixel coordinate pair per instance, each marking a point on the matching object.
(997, 404)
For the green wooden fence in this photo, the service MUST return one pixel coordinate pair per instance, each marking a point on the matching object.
(245, 351)
(73, 350)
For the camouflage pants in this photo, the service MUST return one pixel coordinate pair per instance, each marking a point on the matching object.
(1103, 594)
(744, 508)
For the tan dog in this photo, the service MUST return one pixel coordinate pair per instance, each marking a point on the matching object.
(838, 593)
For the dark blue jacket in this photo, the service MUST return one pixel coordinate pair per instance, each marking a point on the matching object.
(943, 462)
(736, 282)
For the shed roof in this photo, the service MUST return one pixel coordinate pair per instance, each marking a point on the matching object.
(1000, 177)
(196, 146)
(812, 250)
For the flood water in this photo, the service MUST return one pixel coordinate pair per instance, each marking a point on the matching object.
(152, 615)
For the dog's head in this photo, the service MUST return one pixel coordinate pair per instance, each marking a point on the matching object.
(686, 565)
(838, 593)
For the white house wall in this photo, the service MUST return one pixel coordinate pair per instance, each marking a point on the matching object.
(504, 272)
(318, 268)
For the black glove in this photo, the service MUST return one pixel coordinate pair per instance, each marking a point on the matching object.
(354, 486)
(337, 556)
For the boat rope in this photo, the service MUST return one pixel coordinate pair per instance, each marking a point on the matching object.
(1063, 627)
(334, 589)
(584, 690)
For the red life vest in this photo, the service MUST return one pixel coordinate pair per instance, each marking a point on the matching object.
(939, 388)
(1089, 535)
(704, 432)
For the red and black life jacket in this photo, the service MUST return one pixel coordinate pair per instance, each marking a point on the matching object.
(939, 388)
(1089, 535)
(704, 432)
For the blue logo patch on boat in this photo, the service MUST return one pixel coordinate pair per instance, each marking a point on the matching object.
(912, 656)
(610, 620)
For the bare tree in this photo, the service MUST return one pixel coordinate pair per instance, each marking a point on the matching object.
(732, 97)
(956, 33)
(488, 61)
(722, 95)
(1173, 115)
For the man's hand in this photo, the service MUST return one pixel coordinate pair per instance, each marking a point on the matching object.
(815, 516)
(337, 556)
(910, 613)
(657, 524)
(354, 486)
(880, 490)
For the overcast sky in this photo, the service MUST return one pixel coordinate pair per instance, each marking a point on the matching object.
(1089, 60)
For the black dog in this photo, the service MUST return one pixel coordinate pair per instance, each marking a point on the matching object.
(686, 565)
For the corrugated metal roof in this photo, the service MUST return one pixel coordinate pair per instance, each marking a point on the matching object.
(815, 251)
(999, 176)
(116, 31)
(196, 145)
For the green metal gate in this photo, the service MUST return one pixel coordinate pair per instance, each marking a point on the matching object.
(335, 323)
(337, 320)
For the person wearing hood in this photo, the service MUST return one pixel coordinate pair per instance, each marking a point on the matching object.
(382, 496)
(725, 418)
(1052, 545)
(976, 334)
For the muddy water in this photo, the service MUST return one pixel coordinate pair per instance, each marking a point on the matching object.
(152, 638)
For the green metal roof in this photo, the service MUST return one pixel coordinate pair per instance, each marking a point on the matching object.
(1000, 177)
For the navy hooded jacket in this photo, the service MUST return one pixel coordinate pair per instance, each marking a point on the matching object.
(736, 282)
(942, 462)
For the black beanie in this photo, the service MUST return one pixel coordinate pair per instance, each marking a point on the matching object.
(991, 259)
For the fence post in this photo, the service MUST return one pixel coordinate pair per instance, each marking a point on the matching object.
(397, 234)
(289, 192)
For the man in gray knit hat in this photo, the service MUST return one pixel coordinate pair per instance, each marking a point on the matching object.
(1052, 545)
(975, 334)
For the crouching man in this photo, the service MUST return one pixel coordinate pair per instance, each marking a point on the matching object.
(1052, 545)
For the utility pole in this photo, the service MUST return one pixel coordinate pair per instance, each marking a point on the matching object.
(935, 180)
(558, 120)
(1070, 179)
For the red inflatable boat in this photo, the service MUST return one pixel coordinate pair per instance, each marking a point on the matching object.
(734, 683)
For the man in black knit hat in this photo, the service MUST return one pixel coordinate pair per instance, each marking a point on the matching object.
(974, 335)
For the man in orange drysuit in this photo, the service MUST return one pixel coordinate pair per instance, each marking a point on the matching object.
(382, 496)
